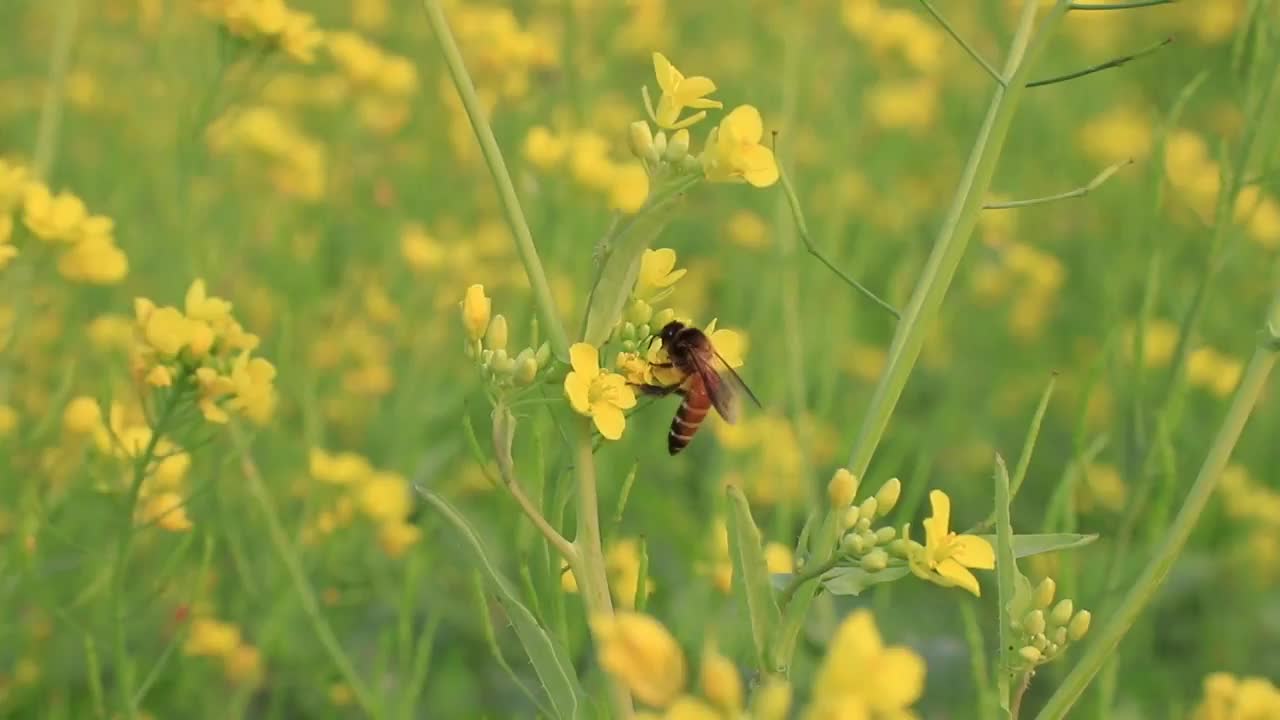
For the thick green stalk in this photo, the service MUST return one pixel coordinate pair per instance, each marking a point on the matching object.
(948, 249)
(593, 578)
(501, 180)
(1106, 639)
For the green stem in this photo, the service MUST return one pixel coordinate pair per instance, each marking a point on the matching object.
(1107, 638)
(124, 666)
(949, 247)
(593, 578)
(501, 179)
(298, 575)
(1112, 63)
(54, 92)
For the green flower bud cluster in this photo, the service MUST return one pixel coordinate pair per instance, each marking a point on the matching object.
(860, 540)
(662, 153)
(640, 323)
(500, 367)
(1042, 629)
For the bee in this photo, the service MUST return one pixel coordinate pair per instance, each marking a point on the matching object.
(707, 381)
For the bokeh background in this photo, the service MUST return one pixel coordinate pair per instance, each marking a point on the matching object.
(334, 193)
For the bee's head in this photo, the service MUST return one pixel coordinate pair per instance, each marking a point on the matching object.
(670, 330)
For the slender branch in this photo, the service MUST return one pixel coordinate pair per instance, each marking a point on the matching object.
(1106, 639)
(1092, 185)
(972, 51)
(1015, 706)
(501, 179)
(1112, 63)
(301, 585)
(506, 469)
(802, 227)
(800, 578)
(1119, 5)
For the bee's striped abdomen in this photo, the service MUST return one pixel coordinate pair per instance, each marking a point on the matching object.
(692, 411)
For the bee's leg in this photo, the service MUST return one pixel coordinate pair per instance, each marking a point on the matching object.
(658, 390)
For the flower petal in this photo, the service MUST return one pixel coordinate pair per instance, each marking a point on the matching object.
(692, 89)
(941, 505)
(758, 166)
(959, 576)
(899, 680)
(578, 389)
(611, 422)
(666, 73)
(743, 125)
(729, 344)
(973, 551)
(585, 360)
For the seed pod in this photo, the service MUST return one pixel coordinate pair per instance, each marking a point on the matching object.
(888, 494)
(1062, 612)
(1044, 593)
(1079, 625)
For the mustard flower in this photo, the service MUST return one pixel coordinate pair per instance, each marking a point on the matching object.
(658, 275)
(642, 654)
(599, 395)
(946, 557)
(679, 92)
(861, 678)
(733, 152)
(476, 308)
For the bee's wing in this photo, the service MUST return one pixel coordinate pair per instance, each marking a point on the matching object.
(723, 384)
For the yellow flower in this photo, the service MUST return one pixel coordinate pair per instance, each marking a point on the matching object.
(730, 344)
(946, 557)
(476, 307)
(861, 678)
(622, 563)
(211, 638)
(95, 260)
(599, 395)
(395, 538)
(734, 153)
(679, 92)
(640, 652)
(167, 510)
(720, 681)
(543, 149)
(81, 416)
(629, 188)
(252, 381)
(243, 665)
(385, 497)
(54, 218)
(658, 275)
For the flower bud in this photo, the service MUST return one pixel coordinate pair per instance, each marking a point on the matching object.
(640, 138)
(486, 357)
(501, 363)
(1079, 625)
(496, 338)
(659, 144)
(869, 508)
(1030, 654)
(677, 146)
(475, 311)
(841, 489)
(852, 544)
(1044, 592)
(1060, 636)
(888, 494)
(1051, 649)
(543, 356)
(691, 164)
(900, 547)
(1033, 623)
(772, 701)
(639, 313)
(875, 560)
(1061, 614)
(662, 317)
(868, 538)
(628, 332)
(721, 683)
(1040, 642)
(526, 367)
(885, 535)
(850, 517)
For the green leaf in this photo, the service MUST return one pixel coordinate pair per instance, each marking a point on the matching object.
(750, 566)
(1006, 582)
(853, 580)
(620, 269)
(1040, 543)
(554, 669)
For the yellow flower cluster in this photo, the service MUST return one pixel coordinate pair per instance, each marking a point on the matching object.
(224, 641)
(204, 345)
(87, 242)
(622, 565)
(487, 343)
(1227, 697)
(597, 394)
(124, 435)
(858, 678)
(1115, 135)
(382, 496)
(1207, 368)
(1196, 178)
(387, 82)
(501, 54)
(897, 35)
(298, 164)
(587, 156)
(268, 21)
(1031, 276)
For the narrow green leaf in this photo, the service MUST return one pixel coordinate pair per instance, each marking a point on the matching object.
(1006, 581)
(752, 570)
(555, 670)
(618, 275)
(1039, 543)
(1033, 433)
(853, 580)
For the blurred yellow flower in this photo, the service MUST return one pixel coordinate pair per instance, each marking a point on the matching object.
(640, 652)
(243, 666)
(946, 557)
(167, 510)
(601, 396)
(629, 189)
(395, 538)
(861, 678)
(211, 638)
(476, 308)
(386, 497)
(1227, 697)
(679, 92)
(1116, 135)
(54, 218)
(898, 104)
(543, 148)
(733, 152)
(82, 415)
(747, 229)
(8, 419)
(658, 275)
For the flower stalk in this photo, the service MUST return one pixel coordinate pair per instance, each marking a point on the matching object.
(953, 237)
